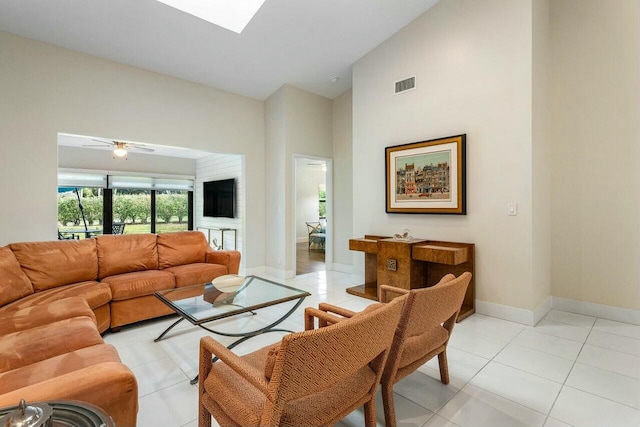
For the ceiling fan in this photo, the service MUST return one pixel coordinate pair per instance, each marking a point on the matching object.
(321, 164)
(120, 148)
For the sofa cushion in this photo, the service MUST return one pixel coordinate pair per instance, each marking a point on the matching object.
(180, 248)
(39, 315)
(93, 375)
(14, 284)
(60, 365)
(51, 264)
(95, 293)
(140, 283)
(196, 274)
(126, 253)
(43, 342)
(110, 386)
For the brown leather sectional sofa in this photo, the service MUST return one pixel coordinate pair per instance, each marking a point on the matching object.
(56, 298)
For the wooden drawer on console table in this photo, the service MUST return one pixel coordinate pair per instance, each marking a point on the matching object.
(442, 258)
(440, 254)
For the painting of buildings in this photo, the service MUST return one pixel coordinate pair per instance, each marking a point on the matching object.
(423, 176)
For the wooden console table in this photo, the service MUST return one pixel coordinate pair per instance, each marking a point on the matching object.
(411, 264)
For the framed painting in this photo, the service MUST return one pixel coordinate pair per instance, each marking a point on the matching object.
(427, 177)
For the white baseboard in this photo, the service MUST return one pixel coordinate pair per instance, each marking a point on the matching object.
(342, 268)
(302, 239)
(609, 312)
(531, 318)
(253, 271)
(514, 314)
(280, 274)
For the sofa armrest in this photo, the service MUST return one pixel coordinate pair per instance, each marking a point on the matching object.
(39, 315)
(230, 259)
(111, 386)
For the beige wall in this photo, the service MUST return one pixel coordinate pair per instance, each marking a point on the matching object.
(541, 158)
(298, 123)
(275, 139)
(343, 182)
(473, 67)
(595, 110)
(309, 133)
(45, 90)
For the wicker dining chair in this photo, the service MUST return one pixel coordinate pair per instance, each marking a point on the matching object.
(427, 321)
(311, 378)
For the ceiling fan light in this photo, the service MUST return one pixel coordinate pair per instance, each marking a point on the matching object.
(120, 152)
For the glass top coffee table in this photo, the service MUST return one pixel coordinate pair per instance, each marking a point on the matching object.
(202, 304)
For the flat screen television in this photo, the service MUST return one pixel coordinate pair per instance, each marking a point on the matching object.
(219, 198)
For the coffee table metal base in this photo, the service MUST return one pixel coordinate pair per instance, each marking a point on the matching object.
(244, 336)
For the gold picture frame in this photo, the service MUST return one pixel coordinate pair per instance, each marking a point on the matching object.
(427, 177)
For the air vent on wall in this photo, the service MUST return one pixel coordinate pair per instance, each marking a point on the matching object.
(405, 85)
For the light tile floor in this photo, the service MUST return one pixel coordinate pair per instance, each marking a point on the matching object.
(569, 370)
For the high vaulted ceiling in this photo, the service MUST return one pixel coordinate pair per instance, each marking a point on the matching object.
(300, 42)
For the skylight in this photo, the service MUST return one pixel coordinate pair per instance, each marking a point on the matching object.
(233, 15)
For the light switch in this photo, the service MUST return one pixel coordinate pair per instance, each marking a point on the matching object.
(512, 208)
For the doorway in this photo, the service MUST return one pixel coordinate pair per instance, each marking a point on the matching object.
(310, 214)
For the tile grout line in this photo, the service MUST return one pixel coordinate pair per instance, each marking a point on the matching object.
(564, 383)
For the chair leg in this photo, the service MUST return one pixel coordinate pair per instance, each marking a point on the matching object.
(389, 407)
(204, 417)
(444, 367)
(370, 413)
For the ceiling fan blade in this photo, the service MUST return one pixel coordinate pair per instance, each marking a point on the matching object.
(148, 150)
(104, 142)
(101, 146)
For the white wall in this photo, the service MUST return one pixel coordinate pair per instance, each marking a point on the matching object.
(343, 182)
(473, 67)
(86, 158)
(308, 180)
(216, 167)
(595, 106)
(46, 90)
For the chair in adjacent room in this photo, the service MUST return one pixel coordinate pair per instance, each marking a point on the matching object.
(423, 332)
(310, 378)
(117, 228)
(67, 235)
(317, 234)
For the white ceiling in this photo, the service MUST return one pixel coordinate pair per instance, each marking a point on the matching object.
(300, 42)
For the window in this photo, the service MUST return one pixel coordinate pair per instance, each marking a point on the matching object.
(322, 201)
(77, 205)
(144, 204)
(132, 207)
(172, 211)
